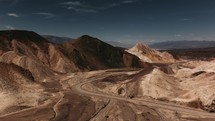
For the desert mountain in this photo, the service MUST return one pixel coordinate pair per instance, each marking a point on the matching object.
(31, 51)
(147, 54)
(93, 53)
(25, 49)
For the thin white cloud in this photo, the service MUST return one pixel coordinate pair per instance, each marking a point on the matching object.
(129, 1)
(78, 3)
(81, 7)
(46, 15)
(9, 27)
(121, 3)
(13, 15)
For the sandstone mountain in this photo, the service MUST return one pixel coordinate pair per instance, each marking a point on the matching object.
(93, 53)
(34, 53)
(147, 54)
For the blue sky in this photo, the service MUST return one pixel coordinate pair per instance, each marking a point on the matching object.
(127, 21)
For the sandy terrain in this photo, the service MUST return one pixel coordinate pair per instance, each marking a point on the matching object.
(77, 101)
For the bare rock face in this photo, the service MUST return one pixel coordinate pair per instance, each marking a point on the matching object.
(131, 61)
(18, 89)
(147, 54)
(59, 62)
(13, 77)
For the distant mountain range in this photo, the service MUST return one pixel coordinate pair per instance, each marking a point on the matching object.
(119, 44)
(183, 44)
(166, 45)
(56, 39)
(61, 40)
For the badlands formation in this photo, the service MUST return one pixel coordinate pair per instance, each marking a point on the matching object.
(88, 80)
